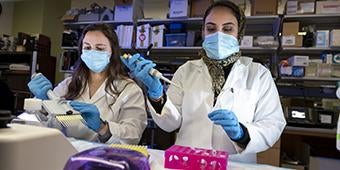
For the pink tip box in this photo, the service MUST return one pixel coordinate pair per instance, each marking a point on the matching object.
(183, 157)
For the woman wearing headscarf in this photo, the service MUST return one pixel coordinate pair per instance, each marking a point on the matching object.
(225, 101)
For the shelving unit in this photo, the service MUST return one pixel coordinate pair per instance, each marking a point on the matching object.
(17, 79)
(314, 18)
(328, 79)
(81, 25)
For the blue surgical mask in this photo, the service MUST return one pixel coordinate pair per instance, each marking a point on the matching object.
(96, 60)
(219, 46)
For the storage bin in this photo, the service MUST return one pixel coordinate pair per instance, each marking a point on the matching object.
(176, 27)
(175, 40)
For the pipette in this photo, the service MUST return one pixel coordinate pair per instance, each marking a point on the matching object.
(155, 73)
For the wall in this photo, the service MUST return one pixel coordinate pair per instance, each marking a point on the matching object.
(6, 18)
(28, 16)
(156, 8)
(42, 16)
(53, 27)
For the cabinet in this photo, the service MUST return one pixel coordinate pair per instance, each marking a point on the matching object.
(300, 144)
(14, 79)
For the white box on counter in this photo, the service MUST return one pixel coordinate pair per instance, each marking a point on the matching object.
(143, 36)
(335, 38)
(247, 41)
(298, 60)
(157, 35)
(322, 38)
(327, 7)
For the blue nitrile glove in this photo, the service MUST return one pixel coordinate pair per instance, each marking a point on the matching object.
(140, 69)
(228, 121)
(39, 86)
(89, 112)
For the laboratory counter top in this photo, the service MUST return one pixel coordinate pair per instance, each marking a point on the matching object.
(157, 158)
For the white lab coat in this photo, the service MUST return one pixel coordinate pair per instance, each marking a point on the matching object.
(126, 117)
(249, 92)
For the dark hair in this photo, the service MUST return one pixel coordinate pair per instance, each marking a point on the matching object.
(237, 12)
(114, 71)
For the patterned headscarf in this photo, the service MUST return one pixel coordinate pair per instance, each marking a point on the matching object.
(216, 67)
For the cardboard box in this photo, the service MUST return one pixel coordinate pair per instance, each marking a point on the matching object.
(247, 41)
(157, 35)
(264, 7)
(198, 7)
(300, 7)
(191, 36)
(322, 38)
(290, 35)
(298, 60)
(335, 38)
(143, 36)
(179, 8)
(245, 5)
(128, 10)
(327, 7)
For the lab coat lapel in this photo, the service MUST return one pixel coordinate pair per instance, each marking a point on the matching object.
(99, 93)
(86, 95)
(238, 75)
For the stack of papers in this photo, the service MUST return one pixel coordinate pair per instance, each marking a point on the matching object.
(124, 33)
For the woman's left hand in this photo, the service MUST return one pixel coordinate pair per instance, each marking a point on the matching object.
(228, 120)
(89, 112)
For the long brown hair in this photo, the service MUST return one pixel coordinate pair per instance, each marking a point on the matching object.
(115, 70)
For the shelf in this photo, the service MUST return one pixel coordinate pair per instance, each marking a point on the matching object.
(69, 48)
(270, 19)
(16, 72)
(195, 49)
(308, 50)
(15, 53)
(65, 71)
(98, 22)
(314, 18)
(199, 20)
(311, 78)
(317, 132)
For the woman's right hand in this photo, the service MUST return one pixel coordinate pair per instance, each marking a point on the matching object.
(39, 85)
(140, 68)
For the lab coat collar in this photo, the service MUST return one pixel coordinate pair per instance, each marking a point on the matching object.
(243, 61)
(237, 78)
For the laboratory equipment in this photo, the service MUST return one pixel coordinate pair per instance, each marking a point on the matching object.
(105, 157)
(155, 73)
(139, 148)
(33, 148)
(182, 157)
(60, 108)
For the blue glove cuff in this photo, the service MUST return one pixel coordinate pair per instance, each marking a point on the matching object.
(156, 93)
(240, 134)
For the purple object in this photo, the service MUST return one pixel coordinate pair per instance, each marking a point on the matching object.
(106, 158)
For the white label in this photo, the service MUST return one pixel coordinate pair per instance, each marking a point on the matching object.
(297, 114)
(288, 40)
(326, 119)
